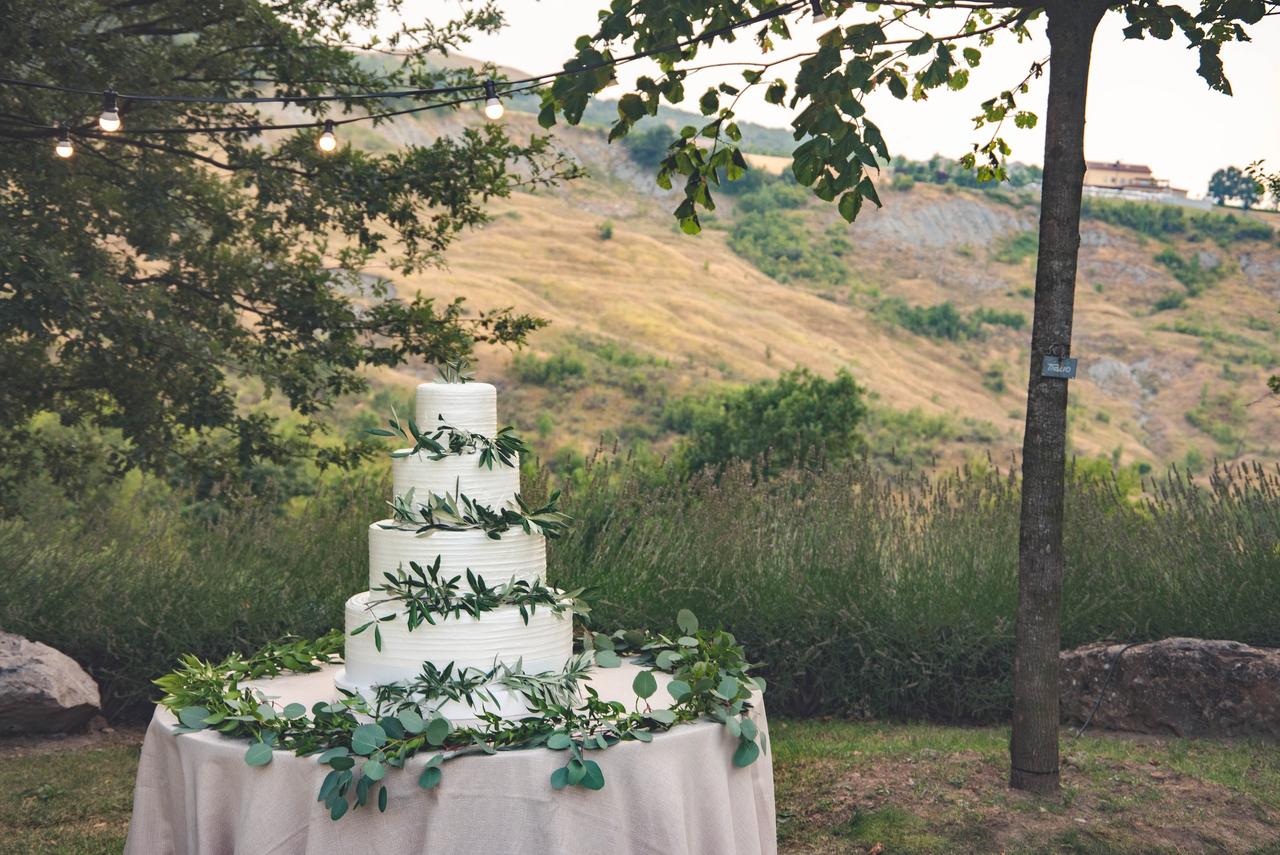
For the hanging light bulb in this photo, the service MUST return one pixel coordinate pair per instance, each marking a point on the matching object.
(327, 142)
(818, 14)
(109, 121)
(63, 148)
(493, 108)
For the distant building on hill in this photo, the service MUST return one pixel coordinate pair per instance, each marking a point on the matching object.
(1126, 179)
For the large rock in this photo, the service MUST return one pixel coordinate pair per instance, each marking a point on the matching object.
(1180, 686)
(42, 690)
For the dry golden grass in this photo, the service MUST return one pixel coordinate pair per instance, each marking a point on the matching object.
(715, 318)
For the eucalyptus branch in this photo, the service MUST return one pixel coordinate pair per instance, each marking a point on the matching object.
(458, 512)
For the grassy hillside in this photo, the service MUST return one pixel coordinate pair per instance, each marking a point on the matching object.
(927, 301)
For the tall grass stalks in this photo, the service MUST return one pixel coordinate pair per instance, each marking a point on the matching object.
(861, 594)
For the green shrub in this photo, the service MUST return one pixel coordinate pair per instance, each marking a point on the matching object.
(1017, 247)
(783, 246)
(1193, 276)
(564, 368)
(648, 147)
(1167, 221)
(1170, 300)
(791, 420)
(999, 318)
(944, 320)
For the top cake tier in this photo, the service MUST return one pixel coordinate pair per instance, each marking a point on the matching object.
(470, 406)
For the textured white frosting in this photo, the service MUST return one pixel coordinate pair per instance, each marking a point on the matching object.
(470, 406)
(495, 487)
(519, 555)
(501, 635)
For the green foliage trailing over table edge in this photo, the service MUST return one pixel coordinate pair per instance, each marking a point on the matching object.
(360, 739)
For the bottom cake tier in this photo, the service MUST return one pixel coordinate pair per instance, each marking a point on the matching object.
(497, 637)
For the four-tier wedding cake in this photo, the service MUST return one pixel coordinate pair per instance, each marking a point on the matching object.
(457, 515)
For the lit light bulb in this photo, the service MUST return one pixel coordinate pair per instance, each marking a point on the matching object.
(109, 121)
(63, 148)
(327, 142)
(818, 14)
(493, 108)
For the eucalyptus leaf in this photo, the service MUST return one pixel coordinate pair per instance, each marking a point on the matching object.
(338, 751)
(374, 770)
(259, 754)
(194, 717)
(686, 621)
(662, 716)
(593, 778)
(559, 741)
(437, 731)
(411, 721)
(430, 777)
(746, 753)
(679, 689)
(728, 688)
(295, 710)
(368, 738)
(644, 685)
(560, 778)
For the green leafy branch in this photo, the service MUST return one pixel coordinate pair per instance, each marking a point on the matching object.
(505, 447)
(456, 370)
(424, 597)
(458, 512)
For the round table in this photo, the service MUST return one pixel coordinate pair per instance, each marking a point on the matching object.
(678, 794)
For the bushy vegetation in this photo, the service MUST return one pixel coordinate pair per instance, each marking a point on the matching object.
(862, 594)
(1193, 275)
(870, 597)
(948, 170)
(770, 230)
(791, 421)
(1168, 221)
(944, 320)
(1016, 247)
(647, 147)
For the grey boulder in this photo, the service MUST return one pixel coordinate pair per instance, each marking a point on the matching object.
(1178, 686)
(42, 690)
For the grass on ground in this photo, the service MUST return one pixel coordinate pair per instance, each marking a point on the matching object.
(842, 787)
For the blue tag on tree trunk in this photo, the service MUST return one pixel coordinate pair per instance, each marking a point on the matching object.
(1063, 367)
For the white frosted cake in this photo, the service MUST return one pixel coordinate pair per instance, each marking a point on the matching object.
(381, 646)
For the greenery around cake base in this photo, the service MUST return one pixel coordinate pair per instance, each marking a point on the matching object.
(362, 740)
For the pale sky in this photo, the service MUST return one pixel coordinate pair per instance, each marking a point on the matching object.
(1146, 102)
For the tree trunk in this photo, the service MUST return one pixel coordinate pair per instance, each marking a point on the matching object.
(1034, 747)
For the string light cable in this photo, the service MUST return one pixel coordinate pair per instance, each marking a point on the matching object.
(109, 122)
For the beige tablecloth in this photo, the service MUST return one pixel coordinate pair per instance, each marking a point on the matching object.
(678, 794)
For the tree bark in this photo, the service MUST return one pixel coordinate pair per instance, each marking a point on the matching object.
(1033, 749)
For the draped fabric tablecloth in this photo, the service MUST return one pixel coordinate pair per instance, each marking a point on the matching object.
(679, 794)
